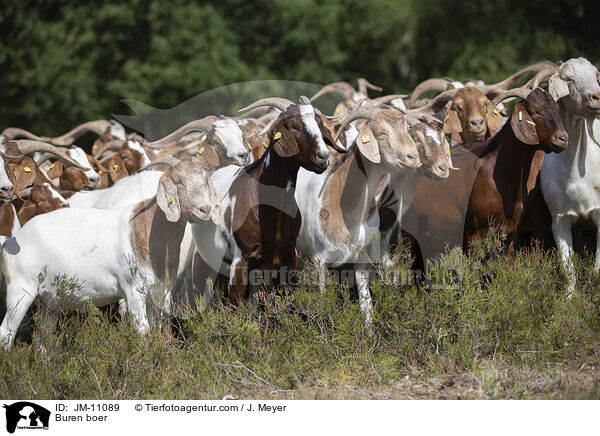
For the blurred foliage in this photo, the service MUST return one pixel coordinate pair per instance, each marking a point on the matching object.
(64, 62)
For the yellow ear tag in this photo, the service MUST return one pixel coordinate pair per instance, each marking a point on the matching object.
(27, 169)
(327, 127)
(116, 167)
(366, 138)
(200, 151)
(520, 116)
(277, 135)
(337, 110)
(496, 112)
(52, 166)
(554, 93)
(100, 172)
(530, 122)
(447, 116)
(94, 148)
(170, 199)
(448, 152)
(249, 147)
(265, 145)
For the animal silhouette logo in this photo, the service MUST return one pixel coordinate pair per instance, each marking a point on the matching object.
(26, 415)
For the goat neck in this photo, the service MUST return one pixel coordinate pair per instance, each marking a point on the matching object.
(156, 241)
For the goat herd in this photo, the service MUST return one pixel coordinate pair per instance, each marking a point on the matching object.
(243, 195)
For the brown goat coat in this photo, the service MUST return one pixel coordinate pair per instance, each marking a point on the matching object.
(155, 240)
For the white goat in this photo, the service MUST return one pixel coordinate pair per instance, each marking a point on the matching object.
(570, 180)
(106, 254)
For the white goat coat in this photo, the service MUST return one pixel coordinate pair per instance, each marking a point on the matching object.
(90, 246)
(128, 190)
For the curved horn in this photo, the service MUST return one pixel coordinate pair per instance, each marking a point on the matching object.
(268, 126)
(541, 77)
(505, 84)
(437, 85)
(164, 160)
(360, 111)
(386, 99)
(521, 92)
(13, 132)
(26, 146)
(205, 125)
(363, 85)
(277, 102)
(113, 145)
(440, 99)
(98, 127)
(343, 88)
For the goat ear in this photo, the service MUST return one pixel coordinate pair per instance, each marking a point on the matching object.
(452, 122)
(557, 87)
(494, 120)
(55, 170)
(167, 198)
(116, 169)
(326, 130)
(208, 156)
(523, 125)
(284, 143)
(367, 144)
(24, 175)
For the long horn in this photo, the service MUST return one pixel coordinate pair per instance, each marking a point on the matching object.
(497, 88)
(205, 125)
(437, 85)
(98, 127)
(386, 99)
(26, 146)
(343, 88)
(360, 111)
(541, 77)
(440, 99)
(363, 85)
(114, 145)
(164, 160)
(13, 132)
(521, 92)
(277, 102)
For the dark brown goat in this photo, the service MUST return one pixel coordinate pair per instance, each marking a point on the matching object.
(260, 211)
(494, 180)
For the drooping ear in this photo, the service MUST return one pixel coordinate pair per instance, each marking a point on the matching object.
(283, 141)
(452, 122)
(23, 175)
(523, 125)
(326, 130)
(367, 144)
(55, 170)
(557, 87)
(167, 198)
(116, 169)
(208, 156)
(493, 120)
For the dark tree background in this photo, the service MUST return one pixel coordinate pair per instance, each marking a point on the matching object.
(64, 62)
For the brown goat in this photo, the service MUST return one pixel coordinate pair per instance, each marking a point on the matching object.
(510, 164)
(473, 110)
(494, 181)
(261, 217)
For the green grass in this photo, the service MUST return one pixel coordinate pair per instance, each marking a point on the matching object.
(508, 331)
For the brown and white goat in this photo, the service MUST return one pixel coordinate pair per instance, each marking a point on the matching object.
(261, 219)
(111, 254)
